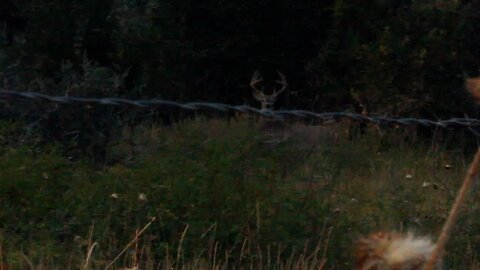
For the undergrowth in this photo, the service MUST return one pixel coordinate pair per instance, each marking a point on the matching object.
(223, 199)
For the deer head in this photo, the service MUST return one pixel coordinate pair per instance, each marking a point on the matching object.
(267, 100)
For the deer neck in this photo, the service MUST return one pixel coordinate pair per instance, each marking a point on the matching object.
(265, 107)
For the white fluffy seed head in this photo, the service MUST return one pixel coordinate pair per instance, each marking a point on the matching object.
(392, 251)
(408, 248)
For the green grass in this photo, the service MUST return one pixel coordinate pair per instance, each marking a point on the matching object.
(223, 199)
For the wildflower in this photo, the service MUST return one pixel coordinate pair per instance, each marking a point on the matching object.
(426, 184)
(142, 197)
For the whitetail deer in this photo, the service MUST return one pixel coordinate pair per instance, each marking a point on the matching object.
(267, 100)
(277, 130)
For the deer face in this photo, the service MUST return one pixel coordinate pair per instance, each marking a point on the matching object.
(266, 100)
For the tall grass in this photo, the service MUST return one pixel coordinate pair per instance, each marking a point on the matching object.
(224, 199)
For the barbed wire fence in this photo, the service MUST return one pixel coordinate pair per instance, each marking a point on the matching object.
(87, 126)
(159, 104)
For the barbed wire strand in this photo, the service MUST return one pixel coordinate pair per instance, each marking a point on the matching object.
(468, 123)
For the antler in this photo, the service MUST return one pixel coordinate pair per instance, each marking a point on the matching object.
(283, 82)
(256, 78)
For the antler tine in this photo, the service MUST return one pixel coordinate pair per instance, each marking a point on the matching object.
(256, 78)
(282, 81)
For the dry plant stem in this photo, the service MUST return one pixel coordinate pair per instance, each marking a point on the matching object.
(89, 256)
(134, 255)
(131, 242)
(179, 249)
(454, 212)
(1, 258)
(29, 262)
(91, 246)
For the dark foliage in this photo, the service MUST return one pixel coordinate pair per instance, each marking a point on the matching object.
(395, 57)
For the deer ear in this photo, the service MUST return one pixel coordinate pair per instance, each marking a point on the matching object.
(257, 94)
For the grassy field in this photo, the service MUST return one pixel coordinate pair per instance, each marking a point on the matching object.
(212, 194)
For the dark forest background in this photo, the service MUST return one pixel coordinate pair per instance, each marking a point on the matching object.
(381, 57)
(396, 57)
